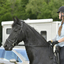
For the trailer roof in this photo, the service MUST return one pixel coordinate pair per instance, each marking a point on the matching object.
(29, 21)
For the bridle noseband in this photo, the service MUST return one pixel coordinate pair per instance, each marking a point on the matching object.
(13, 43)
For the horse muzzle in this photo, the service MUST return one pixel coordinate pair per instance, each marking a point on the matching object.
(7, 48)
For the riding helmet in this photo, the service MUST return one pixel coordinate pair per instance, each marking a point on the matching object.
(61, 9)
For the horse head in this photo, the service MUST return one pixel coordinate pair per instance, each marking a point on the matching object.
(17, 34)
(23, 32)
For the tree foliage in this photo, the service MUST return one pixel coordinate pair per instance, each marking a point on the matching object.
(44, 8)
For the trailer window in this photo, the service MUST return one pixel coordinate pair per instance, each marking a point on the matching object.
(44, 34)
(8, 30)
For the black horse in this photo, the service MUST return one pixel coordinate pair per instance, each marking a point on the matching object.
(37, 48)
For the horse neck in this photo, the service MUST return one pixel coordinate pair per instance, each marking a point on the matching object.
(33, 37)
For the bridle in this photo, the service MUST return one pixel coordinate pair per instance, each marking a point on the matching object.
(11, 42)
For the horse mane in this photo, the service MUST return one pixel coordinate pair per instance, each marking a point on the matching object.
(35, 33)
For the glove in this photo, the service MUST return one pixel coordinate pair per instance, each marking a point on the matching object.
(54, 42)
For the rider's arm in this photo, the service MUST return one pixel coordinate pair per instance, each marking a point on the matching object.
(61, 40)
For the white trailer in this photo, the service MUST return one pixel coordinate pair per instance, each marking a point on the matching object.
(46, 27)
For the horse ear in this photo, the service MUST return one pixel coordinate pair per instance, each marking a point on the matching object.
(18, 21)
(14, 19)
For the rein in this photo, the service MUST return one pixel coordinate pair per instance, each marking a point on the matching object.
(32, 45)
(13, 44)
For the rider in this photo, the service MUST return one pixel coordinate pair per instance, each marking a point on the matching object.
(59, 39)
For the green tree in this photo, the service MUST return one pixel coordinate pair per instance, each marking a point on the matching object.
(19, 9)
(44, 8)
(39, 8)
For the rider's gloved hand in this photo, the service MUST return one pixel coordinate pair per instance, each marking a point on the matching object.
(54, 42)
